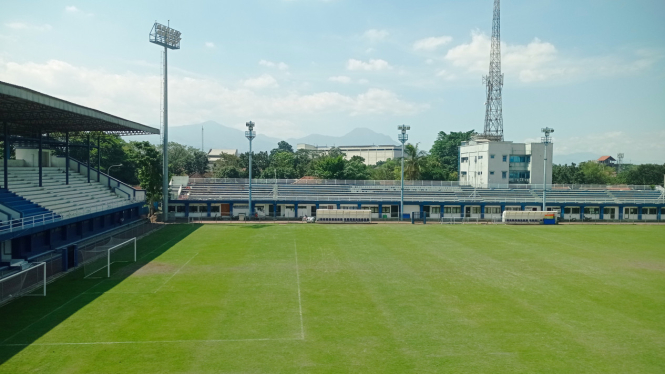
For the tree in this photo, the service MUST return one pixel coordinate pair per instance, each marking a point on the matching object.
(228, 166)
(356, 169)
(282, 146)
(386, 170)
(595, 173)
(646, 174)
(445, 149)
(328, 167)
(414, 160)
(148, 162)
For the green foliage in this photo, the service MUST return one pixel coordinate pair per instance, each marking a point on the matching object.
(186, 160)
(147, 161)
(645, 174)
(228, 166)
(414, 162)
(446, 150)
(329, 167)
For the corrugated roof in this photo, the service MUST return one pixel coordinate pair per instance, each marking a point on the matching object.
(27, 112)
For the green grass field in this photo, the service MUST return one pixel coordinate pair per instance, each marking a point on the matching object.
(363, 299)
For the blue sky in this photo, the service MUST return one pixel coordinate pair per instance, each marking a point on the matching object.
(592, 69)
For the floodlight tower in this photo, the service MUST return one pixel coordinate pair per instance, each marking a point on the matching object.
(169, 39)
(251, 134)
(402, 137)
(546, 140)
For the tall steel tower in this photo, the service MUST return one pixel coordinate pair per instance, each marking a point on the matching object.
(494, 82)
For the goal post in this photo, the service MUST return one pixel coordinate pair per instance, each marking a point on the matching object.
(30, 281)
(103, 256)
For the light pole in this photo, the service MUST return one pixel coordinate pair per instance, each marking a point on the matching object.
(250, 135)
(403, 137)
(546, 140)
(169, 39)
(108, 171)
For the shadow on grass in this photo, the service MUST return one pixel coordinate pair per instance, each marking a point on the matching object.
(254, 226)
(26, 319)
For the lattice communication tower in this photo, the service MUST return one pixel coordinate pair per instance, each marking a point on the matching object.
(494, 82)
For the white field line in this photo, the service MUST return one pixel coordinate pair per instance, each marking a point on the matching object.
(152, 342)
(174, 274)
(302, 326)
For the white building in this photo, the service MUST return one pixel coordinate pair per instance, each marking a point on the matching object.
(216, 154)
(371, 153)
(486, 164)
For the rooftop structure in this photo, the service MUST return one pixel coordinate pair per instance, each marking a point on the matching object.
(371, 153)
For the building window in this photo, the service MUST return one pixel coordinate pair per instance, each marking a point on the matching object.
(593, 210)
(491, 173)
(503, 174)
(475, 210)
(522, 159)
(464, 173)
(435, 210)
(492, 210)
(480, 173)
(451, 210)
(480, 157)
(465, 159)
(491, 156)
(649, 211)
(505, 158)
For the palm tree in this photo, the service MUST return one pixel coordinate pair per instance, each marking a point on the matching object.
(414, 160)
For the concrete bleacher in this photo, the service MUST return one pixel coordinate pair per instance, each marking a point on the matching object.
(55, 195)
(344, 192)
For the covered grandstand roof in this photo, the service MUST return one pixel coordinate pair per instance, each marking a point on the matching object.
(26, 111)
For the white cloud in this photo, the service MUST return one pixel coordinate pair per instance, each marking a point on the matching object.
(431, 43)
(363, 81)
(71, 9)
(262, 81)
(340, 79)
(371, 65)
(541, 61)
(446, 75)
(27, 26)
(197, 99)
(374, 35)
(270, 64)
(429, 61)
(210, 45)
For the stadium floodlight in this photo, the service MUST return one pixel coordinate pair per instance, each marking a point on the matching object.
(169, 39)
(402, 137)
(546, 140)
(251, 134)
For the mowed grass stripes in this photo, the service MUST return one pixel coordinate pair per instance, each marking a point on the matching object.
(377, 298)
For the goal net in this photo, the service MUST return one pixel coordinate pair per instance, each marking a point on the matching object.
(29, 281)
(98, 260)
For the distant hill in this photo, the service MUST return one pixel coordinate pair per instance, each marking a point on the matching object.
(220, 136)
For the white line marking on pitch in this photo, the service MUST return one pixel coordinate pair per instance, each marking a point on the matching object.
(174, 274)
(154, 342)
(302, 326)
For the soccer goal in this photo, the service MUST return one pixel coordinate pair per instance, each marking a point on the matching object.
(27, 282)
(104, 255)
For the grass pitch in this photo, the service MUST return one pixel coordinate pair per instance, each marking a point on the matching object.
(344, 298)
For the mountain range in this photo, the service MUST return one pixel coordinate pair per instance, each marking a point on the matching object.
(216, 135)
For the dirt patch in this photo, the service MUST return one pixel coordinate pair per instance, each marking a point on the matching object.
(155, 268)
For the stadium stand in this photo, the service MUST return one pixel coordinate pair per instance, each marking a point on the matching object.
(423, 197)
(50, 203)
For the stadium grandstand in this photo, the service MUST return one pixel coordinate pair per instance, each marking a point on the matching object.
(210, 197)
(50, 202)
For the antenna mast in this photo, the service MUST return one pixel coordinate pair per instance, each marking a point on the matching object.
(494, 82)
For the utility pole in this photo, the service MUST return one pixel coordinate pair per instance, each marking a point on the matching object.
(170, 39)
(402, 137)
(546, 140)
(250, 135)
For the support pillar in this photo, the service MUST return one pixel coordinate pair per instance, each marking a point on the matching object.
(39, 157)
(601, 212)
(380, 210)
(186, 210)
(461, 211)
(639, 213)
(441, 211)
(422, 211)
(620, 212)
(582, 212)
(482, 211)
(88, 158)
(209, 205)
(67, 157)
(659, 214)
(7, 154)
(99, 155)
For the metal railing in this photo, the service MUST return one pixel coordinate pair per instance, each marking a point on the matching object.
(43, 219)
(333, 182)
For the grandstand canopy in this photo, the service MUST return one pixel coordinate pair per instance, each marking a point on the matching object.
(26, 111)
